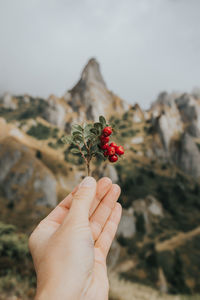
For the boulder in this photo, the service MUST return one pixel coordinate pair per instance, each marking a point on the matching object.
(193, 130)
(187, 156)
(168, 125)
(55, 113)
(126, 226)
(147, 211)
(7, 101)
(45, 186)
(23, 177)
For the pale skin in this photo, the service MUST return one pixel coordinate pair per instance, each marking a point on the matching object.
(69, 247)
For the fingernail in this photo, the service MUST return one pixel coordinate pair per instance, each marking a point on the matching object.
(87, 182)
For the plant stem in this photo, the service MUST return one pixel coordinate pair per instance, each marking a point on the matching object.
(83, 156)
(88, 168)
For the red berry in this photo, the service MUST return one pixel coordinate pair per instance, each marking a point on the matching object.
(119, 150)
(104, 139)
(111, 150)
(104, 146)
(113, 158)
(113, 145)
(105, 153)
(107, 131)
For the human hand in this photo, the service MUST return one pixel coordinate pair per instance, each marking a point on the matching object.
(69, 247)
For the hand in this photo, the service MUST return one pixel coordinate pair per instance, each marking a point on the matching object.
(69, 247)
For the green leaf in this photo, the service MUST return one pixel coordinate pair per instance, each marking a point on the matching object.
(99, 154)
(94, 130)
(76, 132)
(77, 127)
(66, 139)
(87, 128)
(84, 152)
(74, 150)
(96, 142)
(78, 139)
(98, 126)
(102, 120)
(90, 136)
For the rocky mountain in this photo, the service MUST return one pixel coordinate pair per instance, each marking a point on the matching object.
(158, 240)
(176, 119)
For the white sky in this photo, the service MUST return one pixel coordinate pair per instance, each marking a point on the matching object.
(143, 46)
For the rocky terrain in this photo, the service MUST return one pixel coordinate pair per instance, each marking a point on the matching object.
(158, 241)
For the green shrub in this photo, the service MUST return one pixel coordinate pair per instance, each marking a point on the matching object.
(129, 133)
(42, 132)
(12, 245)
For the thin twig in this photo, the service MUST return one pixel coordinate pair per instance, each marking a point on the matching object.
(81, 153)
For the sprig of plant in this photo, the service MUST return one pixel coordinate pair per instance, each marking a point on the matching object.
(92, 140)
(85, 140)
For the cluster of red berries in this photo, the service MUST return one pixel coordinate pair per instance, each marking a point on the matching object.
(112, 150)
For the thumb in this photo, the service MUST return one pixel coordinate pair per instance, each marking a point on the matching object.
(83, 198)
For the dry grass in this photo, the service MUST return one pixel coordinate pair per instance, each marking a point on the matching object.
(125, 290)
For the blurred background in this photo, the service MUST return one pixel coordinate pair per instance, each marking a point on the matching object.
(138, 64)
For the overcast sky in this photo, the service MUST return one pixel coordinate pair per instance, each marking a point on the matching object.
(143, 46)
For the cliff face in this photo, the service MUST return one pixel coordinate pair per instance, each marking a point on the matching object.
(159, 175)
(175, 119)
(90, 97)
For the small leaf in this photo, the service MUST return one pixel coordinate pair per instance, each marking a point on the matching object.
(98, 126)
(76, 132)
(87, 129)
(77, 127)
(84, 152)
(77, 136)
(90, 136)
(66, 139)
(78, 139)
(102, 120)
(99, 154)
(94, 130)
(75, 151)
(95, 142)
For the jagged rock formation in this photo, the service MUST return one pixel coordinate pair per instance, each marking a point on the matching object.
(187, 156)
(55, 112)
(90, 96)
(172, 116)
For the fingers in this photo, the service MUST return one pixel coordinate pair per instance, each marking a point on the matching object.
(107, 235)
(59, 213)
(82, 200)
(103, 186)
(103, 211)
